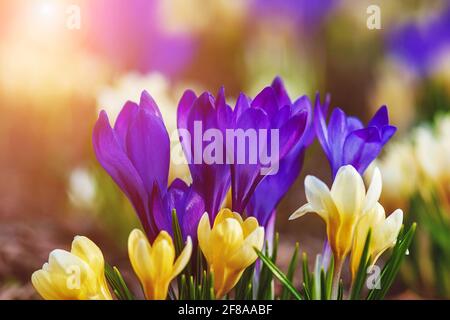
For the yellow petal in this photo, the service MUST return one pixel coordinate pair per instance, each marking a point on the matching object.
(183, 258)
(204, 235)
(88, 251)
(62, 261)
(227, 213)
(250, 224)
(226, 237)
(139, 252)
(42, 283)
(386, 234)
(246, 255)
(162, 256)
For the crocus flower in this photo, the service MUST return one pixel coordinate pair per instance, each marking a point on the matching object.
(272, 188)
(155, 263)
(341, 207)
(136, 154)
(384, 232)
(419, 44)
(229, 247)
(346, 141)
(307, 14)
(210, 180)
(271, 110)
(75, 275)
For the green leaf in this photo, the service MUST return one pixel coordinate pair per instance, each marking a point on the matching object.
(392, 266)
(285, 295)
(183, 290)
(279, 274)
(178, 242)
(177, 235)
(265, 281)
(323, 284)
(192, 288)
(340, 295)
(246, 280)
(362, 270)
(306, 292)
(316, 278)
(306, 274)
(117, 283)
(329, 279)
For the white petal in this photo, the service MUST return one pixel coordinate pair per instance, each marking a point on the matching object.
(374, 191)
(301, 211)
(319, 196)
(386, 235)
(348, 191)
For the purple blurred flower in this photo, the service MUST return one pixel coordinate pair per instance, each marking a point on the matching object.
(272, 188)
(212, 181)
(135, 153)
(131, 34)
(305, 13)
(418, 44)
(346, 141)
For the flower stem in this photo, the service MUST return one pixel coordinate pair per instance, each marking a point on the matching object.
(336, 278)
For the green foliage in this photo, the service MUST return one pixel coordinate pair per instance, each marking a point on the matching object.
(197, 283)
(270, 265)
(117, 283)
(244, 288)
(430, 262)
(265, 280)
(361, 274)
(392, 266)
(285, 293)
(317, 285)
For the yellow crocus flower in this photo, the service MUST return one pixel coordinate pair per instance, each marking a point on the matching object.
(155, 264)
(229, 247)
(384, 232)
(341, 207)
(75, 275)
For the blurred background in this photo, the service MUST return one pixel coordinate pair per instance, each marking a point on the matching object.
(62, 61)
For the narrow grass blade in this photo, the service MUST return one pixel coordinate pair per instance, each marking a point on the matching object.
(279, 274)
(285, 295)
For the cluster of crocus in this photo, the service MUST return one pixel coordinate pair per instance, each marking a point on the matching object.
(80, 274)
(126, 151)
(349, 212)
(75, 275)
(422, 157)
(136, 153)
(419, 177)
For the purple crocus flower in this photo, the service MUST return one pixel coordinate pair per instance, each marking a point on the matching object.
(196, 115)
(419, 44)
(345, 140)
(272, 188)
(305, 13)
(272, 110)
(135, 153)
